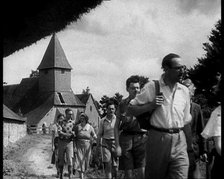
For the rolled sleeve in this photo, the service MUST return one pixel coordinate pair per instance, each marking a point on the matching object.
(145, 95)
(187, 114)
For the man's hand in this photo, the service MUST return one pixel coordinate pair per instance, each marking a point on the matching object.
(204, 157)
(159, 100)
(118, 151)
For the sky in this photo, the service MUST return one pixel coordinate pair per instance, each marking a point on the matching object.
(120, 38)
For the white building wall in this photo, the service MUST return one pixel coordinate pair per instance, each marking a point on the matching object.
(13, 131)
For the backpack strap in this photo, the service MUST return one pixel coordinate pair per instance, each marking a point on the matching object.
(157, 87)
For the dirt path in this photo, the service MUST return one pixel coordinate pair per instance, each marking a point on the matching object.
(39, 158)
(31, 158)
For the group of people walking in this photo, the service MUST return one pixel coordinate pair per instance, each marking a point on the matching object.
(170, 148)
(71, 143)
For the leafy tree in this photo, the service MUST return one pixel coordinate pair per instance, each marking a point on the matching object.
(86, 91)
(118, 97)
(204, 73)
(105, 99)
(103, 102)
(34, 73)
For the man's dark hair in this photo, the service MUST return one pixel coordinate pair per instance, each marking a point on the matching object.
(110, 102)
(67, 110)
(167, 60)
(132, 79)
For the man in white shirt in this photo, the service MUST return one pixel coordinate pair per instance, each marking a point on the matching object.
(166, 148)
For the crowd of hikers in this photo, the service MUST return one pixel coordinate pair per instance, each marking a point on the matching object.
(170, 146)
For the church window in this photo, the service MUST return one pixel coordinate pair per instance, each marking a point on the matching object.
(61, 98)
(90, 108)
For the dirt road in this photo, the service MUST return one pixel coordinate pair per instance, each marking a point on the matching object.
(31, 158)
(39, 157)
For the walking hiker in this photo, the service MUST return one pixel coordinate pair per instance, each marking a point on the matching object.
(55, 138)
(196, 145)
(106, 132)
(166, 148)
(84, 133)
(65, 143)
(130, 144)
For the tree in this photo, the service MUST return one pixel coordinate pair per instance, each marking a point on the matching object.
(118, 97)
(105, 99)
(34, 73)
(203, 74)
(86, 91)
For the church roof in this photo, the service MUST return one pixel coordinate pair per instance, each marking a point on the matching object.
(35, 115)
(9, 114)
(54, 56)
(14, 95)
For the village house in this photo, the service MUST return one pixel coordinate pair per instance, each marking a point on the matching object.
(91, 109)
(42, 96)
(14, 126)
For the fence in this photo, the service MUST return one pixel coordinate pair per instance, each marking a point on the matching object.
(34, 129)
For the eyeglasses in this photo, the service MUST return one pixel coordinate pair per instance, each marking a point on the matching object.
(183, 67)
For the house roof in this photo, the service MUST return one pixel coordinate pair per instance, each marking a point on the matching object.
(54, 56)
(83, 97)
(37, 114)
(9, 114)
(67, 98)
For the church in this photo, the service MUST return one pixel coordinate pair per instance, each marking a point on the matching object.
(41, 97)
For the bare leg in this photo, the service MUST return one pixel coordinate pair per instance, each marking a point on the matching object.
(61, 172)
(69, 171)
(108, 173)
(115, 172)
(81, 175)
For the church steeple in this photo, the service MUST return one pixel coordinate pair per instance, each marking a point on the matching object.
(54, 56)
(54, 69)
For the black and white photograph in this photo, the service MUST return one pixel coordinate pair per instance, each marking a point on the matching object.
(112, 89)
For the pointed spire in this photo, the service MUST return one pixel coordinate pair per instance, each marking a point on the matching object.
(54, 56)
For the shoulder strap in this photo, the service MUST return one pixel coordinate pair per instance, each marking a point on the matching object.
(157, 87)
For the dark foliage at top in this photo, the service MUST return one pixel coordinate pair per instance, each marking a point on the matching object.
(27, 21)
(204, 73)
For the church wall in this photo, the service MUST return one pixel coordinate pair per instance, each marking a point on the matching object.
(62, 80)
(46, 80)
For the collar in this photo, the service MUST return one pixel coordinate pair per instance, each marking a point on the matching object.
(85, 128)
(108, 120)
(68, 120)
(162, 83)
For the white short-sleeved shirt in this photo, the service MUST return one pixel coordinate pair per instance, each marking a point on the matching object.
(175, 112)
(213, 126)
